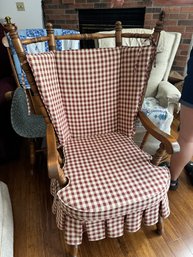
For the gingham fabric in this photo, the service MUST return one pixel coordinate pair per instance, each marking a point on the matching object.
(45, 74)
(112, 185)
(116, 79)
(89, 87)
(92, 97)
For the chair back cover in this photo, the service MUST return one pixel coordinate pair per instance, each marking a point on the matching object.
(92, 91)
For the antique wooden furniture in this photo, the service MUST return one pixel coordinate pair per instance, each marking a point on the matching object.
(102, 183)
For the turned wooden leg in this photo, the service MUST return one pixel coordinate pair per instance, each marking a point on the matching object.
(144, 139)
(32, 154)
(160, 226)
(72, 250)
(159, 155)
(165, 157)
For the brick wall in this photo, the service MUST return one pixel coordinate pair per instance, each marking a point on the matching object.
(179, 17)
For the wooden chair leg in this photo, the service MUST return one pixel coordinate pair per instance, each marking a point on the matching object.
(72, 250)
(144, 139)
(160, 226)
(32, 154)
(165, 157)
(157, 157)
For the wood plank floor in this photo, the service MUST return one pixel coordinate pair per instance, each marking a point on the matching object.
(36, 234)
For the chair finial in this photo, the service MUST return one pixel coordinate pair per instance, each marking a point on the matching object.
(8, 25)
(49, 26)
(118, 31)
(160, 22)
(8, 19)
(162, 15)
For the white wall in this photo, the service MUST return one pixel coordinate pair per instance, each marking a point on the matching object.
(30, 18)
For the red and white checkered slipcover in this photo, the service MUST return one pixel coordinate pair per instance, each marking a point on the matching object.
(92, 97)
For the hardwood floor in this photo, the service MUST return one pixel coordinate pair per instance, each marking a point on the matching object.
(36, 234)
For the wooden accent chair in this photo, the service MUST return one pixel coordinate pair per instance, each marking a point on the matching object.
(102, 183)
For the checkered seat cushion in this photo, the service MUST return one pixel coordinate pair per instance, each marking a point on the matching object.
(110, 177)
(92, 97)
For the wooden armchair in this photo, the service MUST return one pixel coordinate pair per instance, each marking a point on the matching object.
(102, 183)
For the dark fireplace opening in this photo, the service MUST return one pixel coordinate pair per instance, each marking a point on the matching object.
(94, 20)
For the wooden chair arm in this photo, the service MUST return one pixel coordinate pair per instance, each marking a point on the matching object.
(55, 169)
(169, 142)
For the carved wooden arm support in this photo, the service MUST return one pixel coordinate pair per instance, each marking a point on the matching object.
(55, 163)
(168, 142)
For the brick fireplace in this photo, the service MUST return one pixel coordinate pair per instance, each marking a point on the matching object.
(179, 17)
(94, 20)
